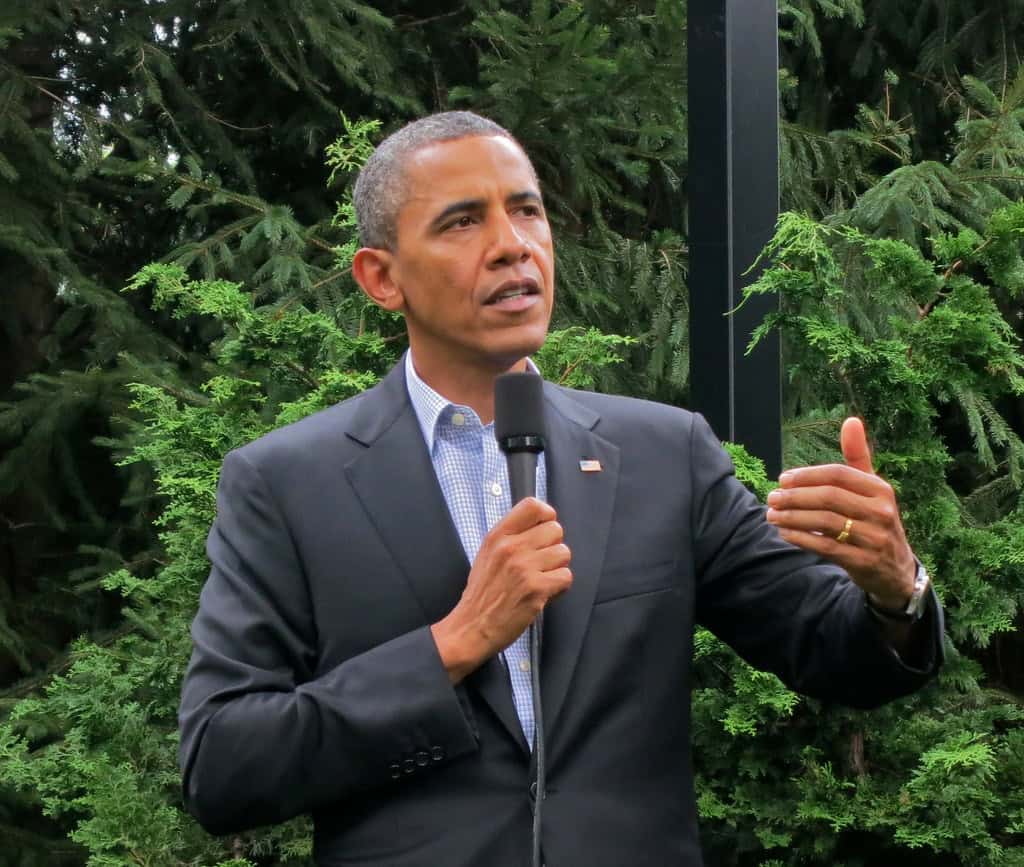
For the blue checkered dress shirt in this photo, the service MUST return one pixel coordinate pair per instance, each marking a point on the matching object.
(474, 479)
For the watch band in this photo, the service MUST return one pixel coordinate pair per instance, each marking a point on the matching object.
(915, 606)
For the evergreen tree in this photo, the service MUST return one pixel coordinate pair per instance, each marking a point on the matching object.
(102, 108)
(939, 771)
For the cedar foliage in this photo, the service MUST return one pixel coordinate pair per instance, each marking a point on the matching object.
(874, 327)
(193, 134)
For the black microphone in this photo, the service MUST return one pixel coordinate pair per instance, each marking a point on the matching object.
(519, 428)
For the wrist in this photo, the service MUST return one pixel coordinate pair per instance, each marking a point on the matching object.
(887, 604)
(456, 649)
(896, 598)
(909, 608)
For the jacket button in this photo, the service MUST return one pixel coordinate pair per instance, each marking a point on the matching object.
(422, 758)
(533, 791)
(408, 766)
(437, 754)
(396, 771)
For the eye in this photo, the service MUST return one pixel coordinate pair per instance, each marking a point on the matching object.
(529, 210)
(463, 222)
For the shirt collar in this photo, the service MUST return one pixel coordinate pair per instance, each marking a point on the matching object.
(427, 403)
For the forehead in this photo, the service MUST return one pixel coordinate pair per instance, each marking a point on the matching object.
(466, 168)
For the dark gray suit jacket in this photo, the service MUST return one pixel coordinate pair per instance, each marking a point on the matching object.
(315, 685)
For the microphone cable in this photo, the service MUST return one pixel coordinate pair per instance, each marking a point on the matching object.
(539, 781)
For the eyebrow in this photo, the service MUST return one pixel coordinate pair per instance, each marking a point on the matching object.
(524, 196)
(478, 205)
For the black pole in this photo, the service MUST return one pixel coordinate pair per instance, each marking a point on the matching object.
(733, 104)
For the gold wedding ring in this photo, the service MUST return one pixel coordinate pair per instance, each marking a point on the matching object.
(843, 536)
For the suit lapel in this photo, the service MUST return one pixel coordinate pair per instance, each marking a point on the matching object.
(395, 481)
(584, 502)
(396, 484)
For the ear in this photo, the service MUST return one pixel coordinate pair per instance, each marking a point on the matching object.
(372, 268)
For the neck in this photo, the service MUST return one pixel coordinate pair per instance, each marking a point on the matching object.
(471, 386)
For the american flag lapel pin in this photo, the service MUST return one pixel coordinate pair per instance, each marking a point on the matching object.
(589, 465)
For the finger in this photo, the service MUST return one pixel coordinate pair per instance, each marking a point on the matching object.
(541, 536)
(838, 475)
(853, 440)
(558, 580)
(827, 523)
(850, 557)
(525, 514)
(825, 498)
(552, 557)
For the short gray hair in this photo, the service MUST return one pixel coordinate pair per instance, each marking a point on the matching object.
(380, 188)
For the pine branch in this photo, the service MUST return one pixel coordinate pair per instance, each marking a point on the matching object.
(28, 686)
(402, 23)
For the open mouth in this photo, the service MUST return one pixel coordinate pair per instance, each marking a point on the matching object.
(513, 289)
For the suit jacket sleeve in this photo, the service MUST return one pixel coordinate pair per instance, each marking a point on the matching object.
(264, 734)
(786, 610)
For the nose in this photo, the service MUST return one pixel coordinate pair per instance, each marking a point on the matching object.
(508, 244)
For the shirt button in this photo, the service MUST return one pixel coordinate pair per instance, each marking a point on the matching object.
(496, 489)
(524, 665)
(458, 419)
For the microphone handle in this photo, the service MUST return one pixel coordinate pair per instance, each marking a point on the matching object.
(522, 474)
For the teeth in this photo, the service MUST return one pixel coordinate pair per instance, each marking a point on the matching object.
(511, 293)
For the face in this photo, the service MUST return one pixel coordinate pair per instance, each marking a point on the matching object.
(473, 266)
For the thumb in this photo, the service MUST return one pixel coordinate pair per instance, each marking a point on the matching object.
(853, 441)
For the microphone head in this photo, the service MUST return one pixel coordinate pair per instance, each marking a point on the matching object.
(519, 411)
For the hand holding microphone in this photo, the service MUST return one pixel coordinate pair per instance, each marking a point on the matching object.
(522, 564)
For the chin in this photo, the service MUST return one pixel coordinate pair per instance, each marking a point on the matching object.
(516, 351)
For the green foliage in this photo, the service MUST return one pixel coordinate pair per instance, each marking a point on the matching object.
(881, 329)
(603, 144)
(115, 761)
(750, 470)
(574, 356)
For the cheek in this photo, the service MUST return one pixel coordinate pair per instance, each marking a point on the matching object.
(540, 238)
(447, 284)
(545, 254)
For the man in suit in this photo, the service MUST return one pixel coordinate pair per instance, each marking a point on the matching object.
(359, 647)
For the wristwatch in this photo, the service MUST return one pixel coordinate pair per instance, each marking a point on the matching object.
(915, 606)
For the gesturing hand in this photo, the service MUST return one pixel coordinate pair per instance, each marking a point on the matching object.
(848, 515)
(521, 565)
